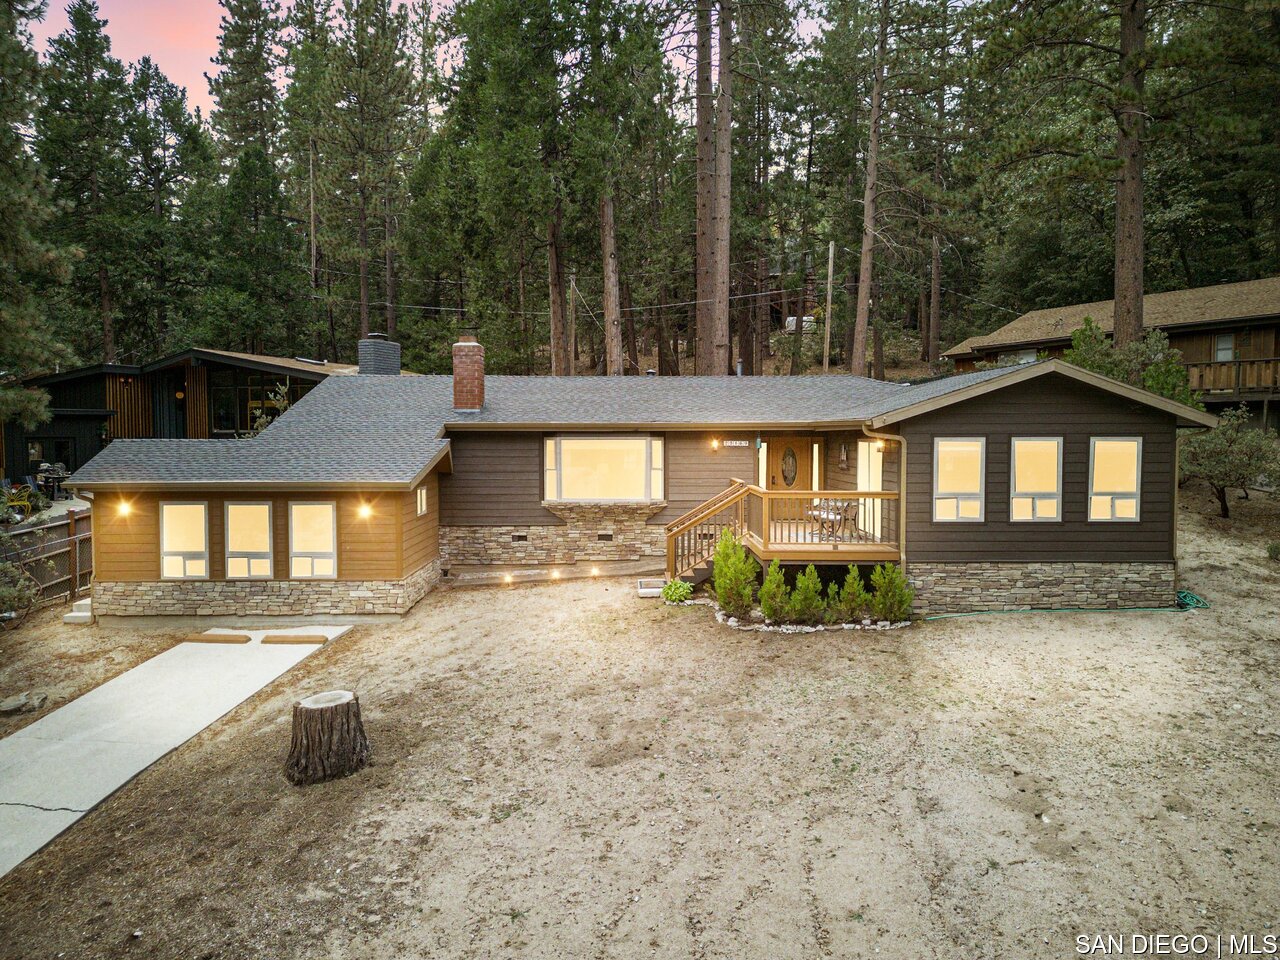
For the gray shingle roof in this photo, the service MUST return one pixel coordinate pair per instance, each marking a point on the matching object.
(375, 430)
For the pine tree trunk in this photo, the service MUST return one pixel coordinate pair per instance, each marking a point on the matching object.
(723, 356)
(561, 348)
(934, 340)
(363, 236)
(1130, 127)
(747, 328)
(328, 741)
(763, 309)
(704, 252)
(877, 351)
(615, 359)
(629, 334)
(858, 364)
(389, 257)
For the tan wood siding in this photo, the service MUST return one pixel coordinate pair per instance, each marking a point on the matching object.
(695, 472)
(127, 548)
(496, 481)
(1047, 406)
(130, 397)
(421, 534)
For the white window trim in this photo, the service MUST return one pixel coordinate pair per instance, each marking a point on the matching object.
(332, 505)
(1136, 495)
(422, 501)
(185, 554)
(555, 468)
(1013, 475)
(229, 554)
(980, 496)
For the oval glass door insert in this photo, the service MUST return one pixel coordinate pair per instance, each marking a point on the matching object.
(789, 467)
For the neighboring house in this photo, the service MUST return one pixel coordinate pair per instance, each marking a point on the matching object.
(1229, 337)
(195, 394)
(1036, 486)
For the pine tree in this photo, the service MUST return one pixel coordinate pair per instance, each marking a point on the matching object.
(79, 131)
(26, 258)
(248, 103)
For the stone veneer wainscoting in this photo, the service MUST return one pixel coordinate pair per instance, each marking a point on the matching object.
(270, 598)
(578, 538)
(969, 587)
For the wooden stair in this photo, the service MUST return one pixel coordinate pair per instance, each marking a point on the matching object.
(692, 538)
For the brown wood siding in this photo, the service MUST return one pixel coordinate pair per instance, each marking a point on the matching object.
(1048, 406)
(127, 548)
(1251, 343)
(130, 397)
(836, 476)
(695, 472)
(197, 405)
(496, 481)
(421, 534)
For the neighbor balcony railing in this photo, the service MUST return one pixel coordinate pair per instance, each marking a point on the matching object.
(1235, 376)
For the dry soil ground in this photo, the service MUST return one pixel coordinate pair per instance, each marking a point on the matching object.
(568, 771)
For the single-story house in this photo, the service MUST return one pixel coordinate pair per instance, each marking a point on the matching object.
(1041, 485)
(1228, 335)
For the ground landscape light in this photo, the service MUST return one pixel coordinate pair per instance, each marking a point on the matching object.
(555, 574)
(507, 579)
(595, 571)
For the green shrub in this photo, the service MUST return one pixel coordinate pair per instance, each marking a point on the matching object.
(734, 576)
(677, 591)
(849, 602)
(1273, 550)
(806, 605)
(891, 595)
(774, 595)
(17, 590)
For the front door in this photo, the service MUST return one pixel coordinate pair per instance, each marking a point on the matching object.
(789, 463)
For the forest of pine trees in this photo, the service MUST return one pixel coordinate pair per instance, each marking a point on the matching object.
(612, 185)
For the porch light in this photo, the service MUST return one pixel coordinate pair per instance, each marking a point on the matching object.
(365, 511)
(879, 444)
(124, 508)
(715, 443)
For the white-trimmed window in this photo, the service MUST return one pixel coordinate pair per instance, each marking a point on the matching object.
(1115, 476)
(313, 541)
(248, 528)
(184, 541)
(422, 501)
(1224, 347)
(1035, 489)
(603, 468)
(959, 479)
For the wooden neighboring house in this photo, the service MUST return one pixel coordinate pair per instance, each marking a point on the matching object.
(1040, 485)
(1229, 337)
(195, 394)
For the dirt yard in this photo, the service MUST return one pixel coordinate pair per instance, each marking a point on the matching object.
(569, 771)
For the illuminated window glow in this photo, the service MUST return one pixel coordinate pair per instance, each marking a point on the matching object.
(422, 501)
(1115, 468)
(603, 468)
(184, 541)
(959, 479)
(1036, 490)
(313, 541)
(249, 541)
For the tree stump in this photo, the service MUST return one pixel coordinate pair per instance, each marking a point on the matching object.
(328, 738)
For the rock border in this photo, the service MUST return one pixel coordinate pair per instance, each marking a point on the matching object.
(764, 626)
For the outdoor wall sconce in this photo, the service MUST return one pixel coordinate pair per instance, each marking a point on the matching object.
(365, 511)
(124, 508)
(844, 456)
(715, 443)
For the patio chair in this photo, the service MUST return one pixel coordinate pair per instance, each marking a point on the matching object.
(17, 497)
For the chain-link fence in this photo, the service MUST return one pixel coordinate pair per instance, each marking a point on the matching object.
(57, 553)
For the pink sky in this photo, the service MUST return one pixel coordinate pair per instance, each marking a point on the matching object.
(179, 35)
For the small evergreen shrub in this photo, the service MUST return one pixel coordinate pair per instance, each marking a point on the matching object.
(849, 602)
(774, 595)
(1273, 551)
(734, 576)
(677, 591)
(891, 595)
(806, 605)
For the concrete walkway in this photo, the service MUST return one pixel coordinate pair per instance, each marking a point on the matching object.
(55, 770)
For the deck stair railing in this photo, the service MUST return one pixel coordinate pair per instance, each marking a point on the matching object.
(692, 538)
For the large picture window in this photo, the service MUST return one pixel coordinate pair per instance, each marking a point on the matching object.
(1036, 488)
(1115, 471)
(603, 468)
(249, 541)
(313, 541)
(184, 541)
(959, 471)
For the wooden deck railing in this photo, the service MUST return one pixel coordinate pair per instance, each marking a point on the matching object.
(1236, 376)
(842, 524)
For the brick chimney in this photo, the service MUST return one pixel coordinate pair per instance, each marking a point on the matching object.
(379, 355)
(468, 374)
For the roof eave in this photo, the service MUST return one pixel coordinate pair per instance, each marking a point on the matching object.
(613, 426)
